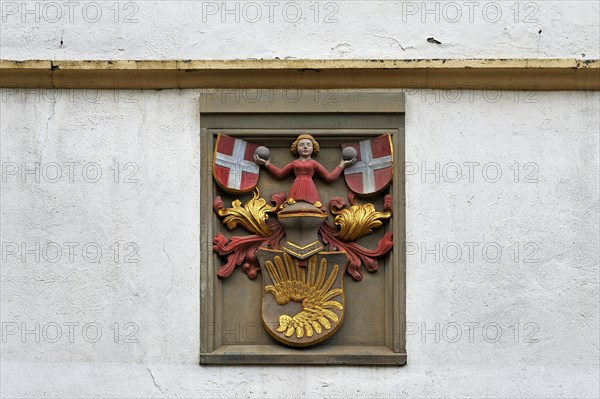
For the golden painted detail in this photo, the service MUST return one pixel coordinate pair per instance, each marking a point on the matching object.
(358, 220)
(306, 246)
(318, 204)
(291, 201)
(308, 286)
(302, 214)
(253, 215)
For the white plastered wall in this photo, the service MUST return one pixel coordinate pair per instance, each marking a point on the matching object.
(541, 290)
(548, 293)
(299, 29)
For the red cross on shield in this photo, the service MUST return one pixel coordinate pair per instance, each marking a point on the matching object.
(372, 171)
(234, 168)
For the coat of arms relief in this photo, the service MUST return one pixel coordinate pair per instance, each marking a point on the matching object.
(300, 245)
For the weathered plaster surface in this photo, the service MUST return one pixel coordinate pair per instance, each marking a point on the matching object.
(301, 29)
(550, 298)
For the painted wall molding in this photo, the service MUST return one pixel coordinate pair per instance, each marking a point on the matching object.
(469, 74)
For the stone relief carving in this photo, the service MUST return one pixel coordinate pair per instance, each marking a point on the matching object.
(301, 256)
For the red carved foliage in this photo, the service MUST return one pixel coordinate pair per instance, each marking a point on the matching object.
(242, 250)
(357, 254)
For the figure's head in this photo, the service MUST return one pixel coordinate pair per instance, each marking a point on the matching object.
(304, 145)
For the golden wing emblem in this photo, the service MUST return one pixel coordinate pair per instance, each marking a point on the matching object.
(309, 286)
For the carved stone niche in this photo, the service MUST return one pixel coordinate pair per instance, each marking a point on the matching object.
(242, 304)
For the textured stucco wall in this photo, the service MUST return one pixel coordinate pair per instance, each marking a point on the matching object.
(544, 300)
(299, 29)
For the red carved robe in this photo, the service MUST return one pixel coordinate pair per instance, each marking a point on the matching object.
(303, 187)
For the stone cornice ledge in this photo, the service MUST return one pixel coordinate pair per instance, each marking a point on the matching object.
(474, 74)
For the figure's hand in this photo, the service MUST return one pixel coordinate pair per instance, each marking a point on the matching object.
(260, 161)
(343, 163)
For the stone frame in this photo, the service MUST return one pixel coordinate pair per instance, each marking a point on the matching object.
(242, 112)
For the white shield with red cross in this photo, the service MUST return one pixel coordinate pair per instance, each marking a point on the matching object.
(372, 171)
(234, 168)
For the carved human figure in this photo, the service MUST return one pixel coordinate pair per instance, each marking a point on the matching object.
(303, 188)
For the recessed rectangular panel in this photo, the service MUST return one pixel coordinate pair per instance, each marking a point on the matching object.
(232, 330)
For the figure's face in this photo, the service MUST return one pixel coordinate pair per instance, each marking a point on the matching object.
(305, 147)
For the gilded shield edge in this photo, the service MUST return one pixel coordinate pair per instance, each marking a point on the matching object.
(303, 302)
